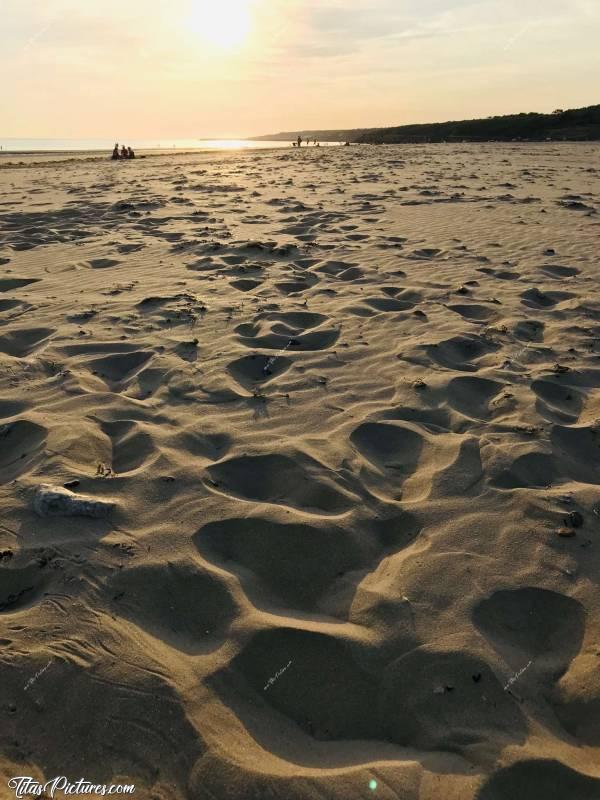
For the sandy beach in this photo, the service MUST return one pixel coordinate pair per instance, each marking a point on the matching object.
(300, 473)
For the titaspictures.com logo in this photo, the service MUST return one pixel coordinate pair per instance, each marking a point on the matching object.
(62, 787)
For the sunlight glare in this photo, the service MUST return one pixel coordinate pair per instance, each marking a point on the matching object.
(224, 24)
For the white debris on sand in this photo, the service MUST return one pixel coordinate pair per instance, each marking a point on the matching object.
(55, 501)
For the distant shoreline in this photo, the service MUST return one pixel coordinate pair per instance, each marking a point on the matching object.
(33, 146)
(23, 158)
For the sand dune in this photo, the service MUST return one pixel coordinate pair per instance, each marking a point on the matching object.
(336, 413)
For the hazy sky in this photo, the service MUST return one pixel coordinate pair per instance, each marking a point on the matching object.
(188, 68)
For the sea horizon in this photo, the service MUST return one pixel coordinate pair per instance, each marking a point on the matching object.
(101, 144)
(24, 145)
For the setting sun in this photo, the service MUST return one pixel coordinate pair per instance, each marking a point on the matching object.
(224, 24)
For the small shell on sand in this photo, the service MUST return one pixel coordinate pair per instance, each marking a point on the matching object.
(55, 501)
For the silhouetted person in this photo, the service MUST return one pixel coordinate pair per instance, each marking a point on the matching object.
(299, 141)
(124, 152)
(115, 155)
(130, 153)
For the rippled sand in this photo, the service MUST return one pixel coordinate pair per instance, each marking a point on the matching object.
(346, 403)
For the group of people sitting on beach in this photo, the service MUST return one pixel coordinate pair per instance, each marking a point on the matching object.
(124, 152)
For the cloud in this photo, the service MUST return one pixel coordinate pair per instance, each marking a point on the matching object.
(338, 62)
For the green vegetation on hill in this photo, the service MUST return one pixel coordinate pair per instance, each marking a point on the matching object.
(581, 124)
(578, 124)
(319, 136)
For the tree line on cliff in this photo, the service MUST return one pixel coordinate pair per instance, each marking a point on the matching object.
(580, 124)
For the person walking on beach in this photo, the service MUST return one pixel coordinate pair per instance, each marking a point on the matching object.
(299, 141)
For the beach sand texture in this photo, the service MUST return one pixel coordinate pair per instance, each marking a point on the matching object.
(329, 426)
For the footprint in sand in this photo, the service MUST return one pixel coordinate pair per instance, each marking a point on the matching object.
(576, 697)
(534, 469)
(117, 370)
(295, 331)
(472, 396)
(389, 304)
(21, 448)
(10, 408)
(199, 443)
(180, 603)
(103, 263)
(323, 689)
(125, 249)
(297, 481)
(475, 313)
(529, 330)
(577, 449)
(6, 304)
(20, 343)
(300, 282)
(431, 702)
(426, 253)
(173, 310)
(268, 556)
(258, 370)
(340, 270)
(535, 298)
(558, 272)
(246, 284)
(392, 448)
(460, 353)
(557, 402)
(8, 284)
(500, 274)
(132, 446)
(544, 778)
(21, 588)
(532, 624)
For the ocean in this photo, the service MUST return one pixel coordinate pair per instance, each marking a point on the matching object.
(9, 145)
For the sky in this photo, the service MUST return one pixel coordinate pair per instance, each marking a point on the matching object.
(236, 68)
